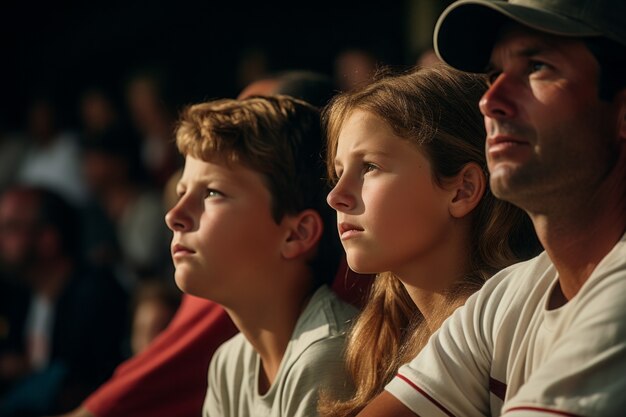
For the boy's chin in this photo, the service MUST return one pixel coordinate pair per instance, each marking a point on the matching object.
(186, 284)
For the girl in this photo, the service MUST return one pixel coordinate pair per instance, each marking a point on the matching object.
(412, 199)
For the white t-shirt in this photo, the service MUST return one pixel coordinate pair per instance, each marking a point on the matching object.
(313, 360)
(506, 353)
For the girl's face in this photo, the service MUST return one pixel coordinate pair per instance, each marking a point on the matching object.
(391, 214)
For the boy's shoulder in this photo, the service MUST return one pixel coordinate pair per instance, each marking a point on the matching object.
(325, 320)
(325, 316)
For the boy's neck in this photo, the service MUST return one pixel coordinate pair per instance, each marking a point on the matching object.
(269, 324)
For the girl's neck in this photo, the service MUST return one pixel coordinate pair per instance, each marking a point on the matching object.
(430, 280)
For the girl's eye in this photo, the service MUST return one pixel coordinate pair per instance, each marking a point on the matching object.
(369, 167)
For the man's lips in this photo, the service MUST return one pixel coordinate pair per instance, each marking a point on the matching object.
(179, 250)
(503, 143)
(347, 230)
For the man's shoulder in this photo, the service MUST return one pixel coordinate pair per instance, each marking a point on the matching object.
(522, 275)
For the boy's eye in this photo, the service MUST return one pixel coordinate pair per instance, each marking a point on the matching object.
(210, 192)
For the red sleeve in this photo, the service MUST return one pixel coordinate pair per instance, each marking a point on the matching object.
(170, 377)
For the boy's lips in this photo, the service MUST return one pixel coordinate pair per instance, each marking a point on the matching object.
(348, 230)
(179, 250)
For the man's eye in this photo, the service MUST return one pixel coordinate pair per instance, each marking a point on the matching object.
(536, 66)
(492, 76)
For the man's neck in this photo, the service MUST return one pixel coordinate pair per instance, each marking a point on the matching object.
(578, 237)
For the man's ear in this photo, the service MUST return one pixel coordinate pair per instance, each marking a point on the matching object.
(304, 231)
(469, 187)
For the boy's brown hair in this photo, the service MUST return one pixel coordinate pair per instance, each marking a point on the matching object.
(280, 138)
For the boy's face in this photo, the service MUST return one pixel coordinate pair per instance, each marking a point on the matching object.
(548, 133)
(390, 211)
(225, 240)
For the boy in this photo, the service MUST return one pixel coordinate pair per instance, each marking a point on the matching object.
(249, 233)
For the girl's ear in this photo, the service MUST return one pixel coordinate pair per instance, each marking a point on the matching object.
(469, 187)
(304, 231)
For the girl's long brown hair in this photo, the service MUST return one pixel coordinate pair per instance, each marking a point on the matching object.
(436, 109)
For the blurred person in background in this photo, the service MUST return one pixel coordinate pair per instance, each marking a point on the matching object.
(52, 159)
(354, 67)
(115, 177)
(153, 119)
(154, 307)
(12, 151)
(75, 320)
(98, 111)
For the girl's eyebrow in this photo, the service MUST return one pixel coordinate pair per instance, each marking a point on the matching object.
(363, 153)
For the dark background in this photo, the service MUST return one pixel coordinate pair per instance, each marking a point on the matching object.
(60, 48)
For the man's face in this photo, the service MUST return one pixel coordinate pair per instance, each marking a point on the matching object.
(548, 133)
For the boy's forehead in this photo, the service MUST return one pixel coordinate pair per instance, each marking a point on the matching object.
(220, 169)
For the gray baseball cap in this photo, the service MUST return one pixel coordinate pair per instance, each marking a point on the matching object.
(466, 31)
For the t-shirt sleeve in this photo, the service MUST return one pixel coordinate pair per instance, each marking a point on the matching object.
(213, 402)
(450, 376)
(320, 367)
(583, 371)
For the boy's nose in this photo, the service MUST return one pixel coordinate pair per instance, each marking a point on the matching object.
(177, 219)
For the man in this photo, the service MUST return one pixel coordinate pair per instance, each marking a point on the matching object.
(546, 337)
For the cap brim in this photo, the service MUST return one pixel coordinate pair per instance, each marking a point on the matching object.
(466, 31)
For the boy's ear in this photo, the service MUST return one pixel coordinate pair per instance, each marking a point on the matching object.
(304, 231)
(469, 187)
